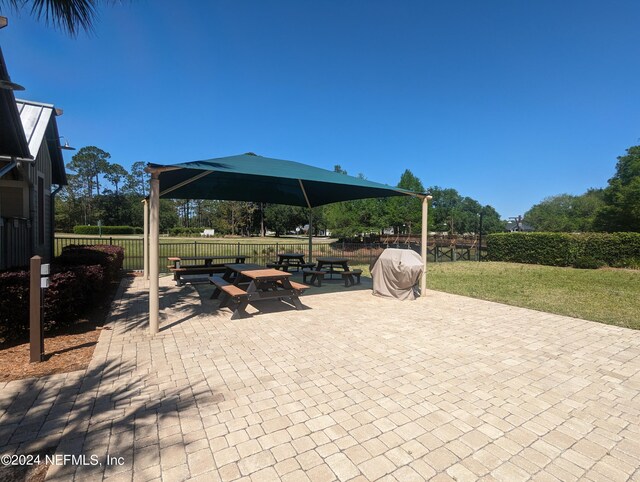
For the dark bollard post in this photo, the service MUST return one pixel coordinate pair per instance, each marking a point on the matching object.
(36, 340)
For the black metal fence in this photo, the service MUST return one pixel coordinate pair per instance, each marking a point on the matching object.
(263, 253)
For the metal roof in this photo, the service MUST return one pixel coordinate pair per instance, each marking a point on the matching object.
(39, 124)
(35, 120)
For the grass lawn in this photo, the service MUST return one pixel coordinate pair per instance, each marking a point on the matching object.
(609, 296)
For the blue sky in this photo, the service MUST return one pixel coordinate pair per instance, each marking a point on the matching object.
(506, 101)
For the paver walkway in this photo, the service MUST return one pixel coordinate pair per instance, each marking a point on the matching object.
(356, 387)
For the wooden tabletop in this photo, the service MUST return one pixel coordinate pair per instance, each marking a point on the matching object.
(265, 273)
(291, 255)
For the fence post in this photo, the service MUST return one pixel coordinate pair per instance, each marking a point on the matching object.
(238, 248)
(36, 340)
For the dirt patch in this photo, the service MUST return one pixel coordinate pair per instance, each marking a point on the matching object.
(67, 349)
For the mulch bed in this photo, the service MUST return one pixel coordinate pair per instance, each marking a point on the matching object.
(67, 349)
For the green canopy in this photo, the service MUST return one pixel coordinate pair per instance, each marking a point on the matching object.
(248, 177)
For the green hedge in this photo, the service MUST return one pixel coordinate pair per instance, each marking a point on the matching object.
(109, 257)
(565, 249)
(105, 230)
(79, 281)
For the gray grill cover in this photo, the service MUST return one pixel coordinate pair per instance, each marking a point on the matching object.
(396, 274)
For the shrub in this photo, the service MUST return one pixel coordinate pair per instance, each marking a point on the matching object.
(107, 256)
(14, 304)
(564, 249)
(588, 262)
(72, 291)
(104, 230)
(79, 280)
(182, 231)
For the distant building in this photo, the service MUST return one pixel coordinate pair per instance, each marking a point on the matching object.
(518, 225)
(319, 232)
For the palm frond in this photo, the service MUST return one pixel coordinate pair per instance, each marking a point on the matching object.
(68, 15)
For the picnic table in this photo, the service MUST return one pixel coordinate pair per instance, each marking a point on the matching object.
(190, 265)
(350, 276)
(261, 284)
(293, 260)
(332, 262)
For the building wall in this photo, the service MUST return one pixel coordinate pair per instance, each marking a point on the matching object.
(15, 226)
(25, 212)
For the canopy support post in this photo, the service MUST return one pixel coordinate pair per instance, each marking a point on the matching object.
(423, 245)
(310, 232)
(154, 241)
(310, 236)
(145, 240)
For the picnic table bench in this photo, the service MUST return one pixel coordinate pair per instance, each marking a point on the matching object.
(234, 293)
(351, 277)
(194, 265)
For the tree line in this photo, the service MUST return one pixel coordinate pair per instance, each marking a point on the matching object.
(102, 190)
(615, 208)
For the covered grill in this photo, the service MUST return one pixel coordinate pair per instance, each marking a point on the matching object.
(396, 274)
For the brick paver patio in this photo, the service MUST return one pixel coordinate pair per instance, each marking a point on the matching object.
(354, 388)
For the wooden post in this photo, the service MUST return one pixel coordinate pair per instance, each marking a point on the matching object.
(425, 239)
(36, 339)
(154, 240)
(145, 239)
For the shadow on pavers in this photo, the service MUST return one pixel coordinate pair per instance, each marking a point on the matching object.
(87, 413)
